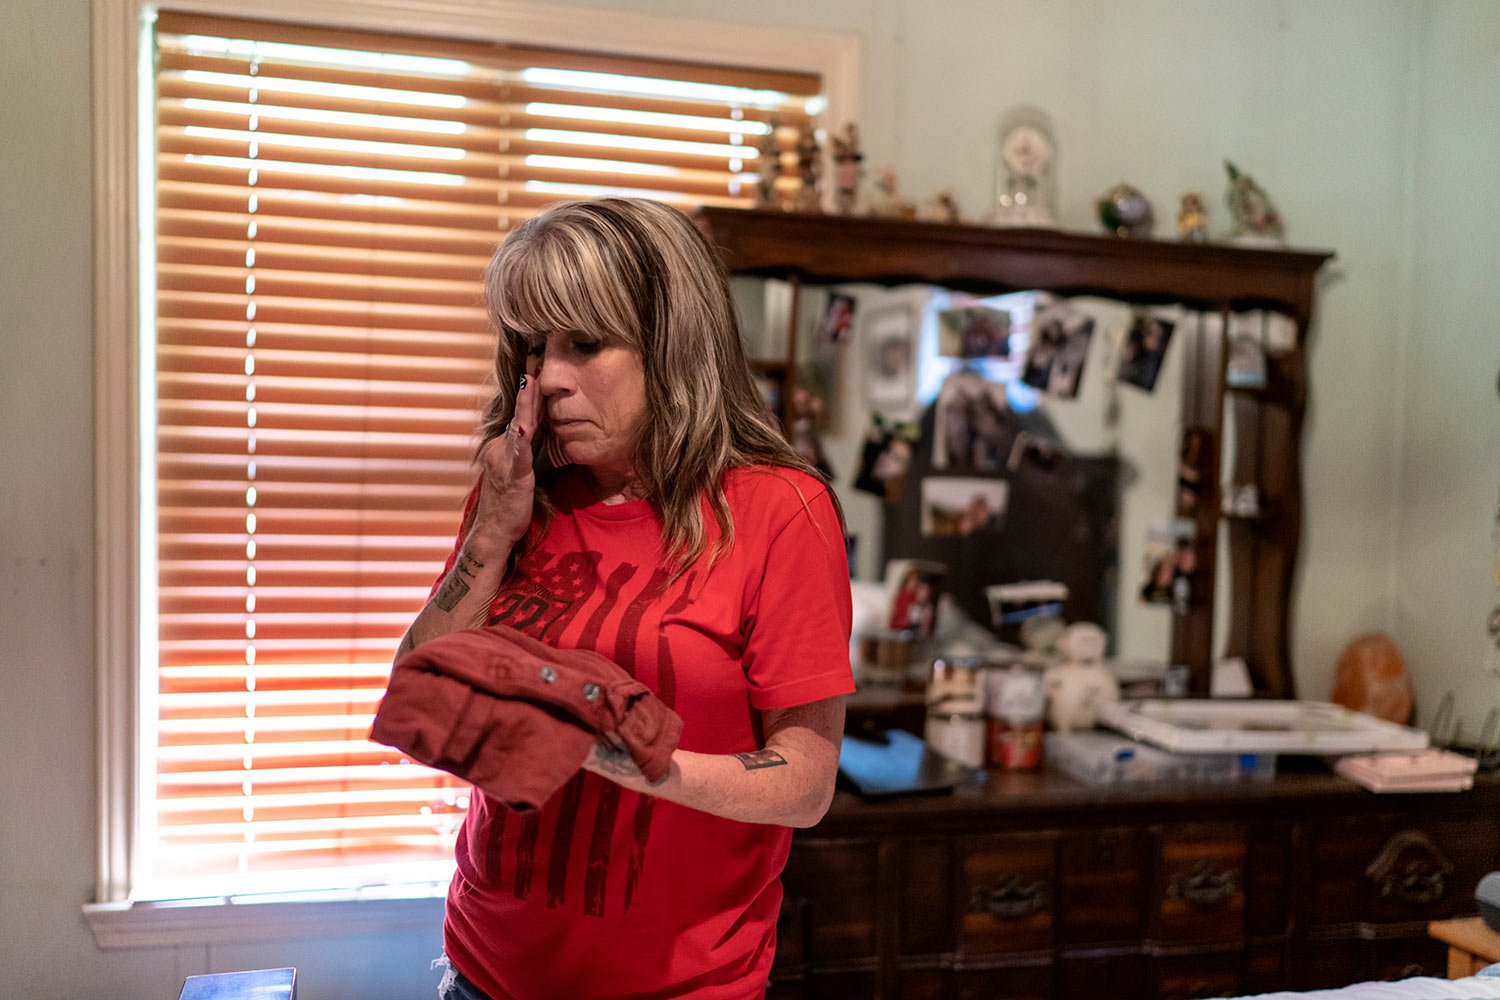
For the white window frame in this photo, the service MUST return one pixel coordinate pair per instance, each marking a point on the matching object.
(119, 46)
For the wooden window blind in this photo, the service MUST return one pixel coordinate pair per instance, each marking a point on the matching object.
(326, 202)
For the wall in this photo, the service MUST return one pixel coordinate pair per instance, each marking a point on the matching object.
(1315, 99)
(1449, 472)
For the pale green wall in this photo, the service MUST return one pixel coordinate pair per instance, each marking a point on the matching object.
(1341, 107)
(1449, 423)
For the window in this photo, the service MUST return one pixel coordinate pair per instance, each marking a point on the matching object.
(313, 348)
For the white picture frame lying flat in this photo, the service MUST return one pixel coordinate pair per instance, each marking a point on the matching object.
(1291, 727)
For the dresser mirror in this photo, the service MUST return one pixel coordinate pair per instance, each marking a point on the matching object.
(1108, 502)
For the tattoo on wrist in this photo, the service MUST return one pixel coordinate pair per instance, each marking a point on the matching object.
(453, 590)
(758, 759)
(611, 759)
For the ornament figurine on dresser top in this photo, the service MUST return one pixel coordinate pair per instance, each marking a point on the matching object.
(1256, 220)
(809, 171)
(884, 202)
(847, 169)
(1077, 687)
(941, 207)
(768, 166)
(1192, 218)
(1124, 211)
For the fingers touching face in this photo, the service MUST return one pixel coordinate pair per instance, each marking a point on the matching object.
(527, 416)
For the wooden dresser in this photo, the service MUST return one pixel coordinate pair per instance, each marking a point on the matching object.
(1035, 885)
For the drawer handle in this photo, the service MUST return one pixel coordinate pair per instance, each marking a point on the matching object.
(1411, 869)
(1204, 886)
(1416, 888)
(1011, 900)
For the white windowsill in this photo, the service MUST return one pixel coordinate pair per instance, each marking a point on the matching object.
(242, 918)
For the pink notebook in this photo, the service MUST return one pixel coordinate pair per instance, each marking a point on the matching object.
(1410, 771)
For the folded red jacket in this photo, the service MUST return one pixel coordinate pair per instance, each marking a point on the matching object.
(515, 717)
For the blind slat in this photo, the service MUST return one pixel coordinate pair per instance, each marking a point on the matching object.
(173, 25)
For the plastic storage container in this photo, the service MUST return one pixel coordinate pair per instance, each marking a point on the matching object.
(1103, 758)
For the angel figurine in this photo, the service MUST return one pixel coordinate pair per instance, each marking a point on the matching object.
(1192, 218)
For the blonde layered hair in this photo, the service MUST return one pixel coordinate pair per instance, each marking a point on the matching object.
(639, 273)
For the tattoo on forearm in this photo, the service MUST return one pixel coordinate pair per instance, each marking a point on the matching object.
(407, 645)
(761, 758)
(453, 590)
(468, 565)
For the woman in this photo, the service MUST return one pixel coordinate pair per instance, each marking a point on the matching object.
(635, 499)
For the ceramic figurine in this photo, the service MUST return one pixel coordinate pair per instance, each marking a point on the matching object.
(1192, 219)
(847, 169)
(1079, 685)
(941, 208)
(809, 171)
(768, 166)
(884, 202)
(1124, 211)
(1255, 218)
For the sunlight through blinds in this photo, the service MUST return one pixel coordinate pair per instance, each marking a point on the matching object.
(326, 203)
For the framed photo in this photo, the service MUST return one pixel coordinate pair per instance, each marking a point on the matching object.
(1246, 367)
(885, 457)
(1059, 346)
(971, 425)
(890, 338)
(838, 318)
(959, 506)
(1170, 561)
(914, 586)
(974, 332)
(1143, 351)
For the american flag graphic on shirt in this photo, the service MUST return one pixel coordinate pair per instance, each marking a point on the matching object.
(548, 594)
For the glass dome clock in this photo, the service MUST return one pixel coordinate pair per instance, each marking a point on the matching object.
(1025, 194)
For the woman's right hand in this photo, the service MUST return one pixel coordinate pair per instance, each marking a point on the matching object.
(507, 478)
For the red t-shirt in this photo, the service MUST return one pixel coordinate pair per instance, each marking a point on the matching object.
(604, 892)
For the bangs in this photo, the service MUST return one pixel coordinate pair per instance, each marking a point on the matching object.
(552, 280)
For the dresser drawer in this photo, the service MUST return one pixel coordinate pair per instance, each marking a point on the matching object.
(1200, 889)
(1388, 869)
(1330, 962)
(1118, 977)
(1004, 891)
(831, 902)
(1402, 958)
(1187, 977)
(1102, 885)
(836, 985)
(924, 893)
(1020, 982)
